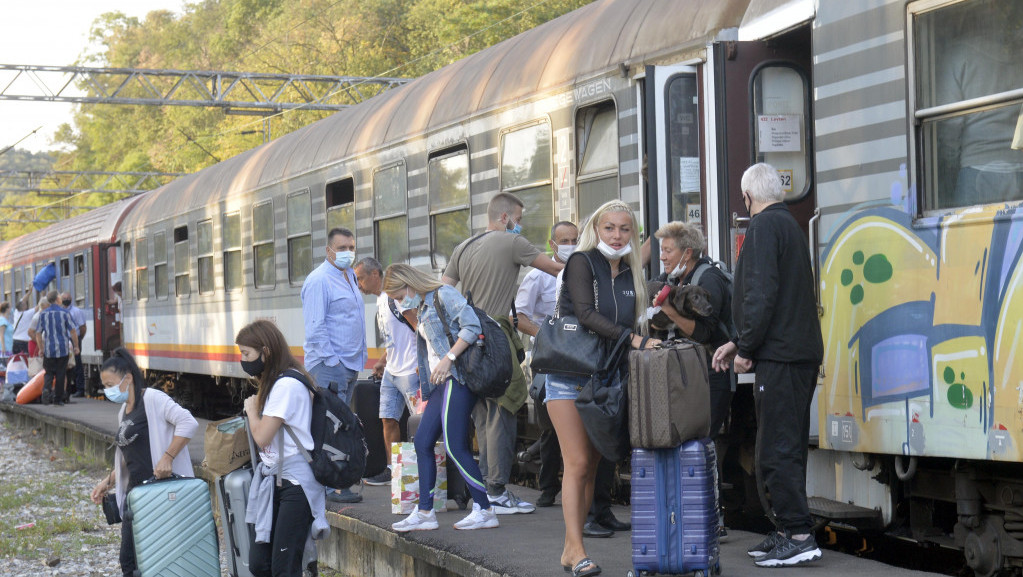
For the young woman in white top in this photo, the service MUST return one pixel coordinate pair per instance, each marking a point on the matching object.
(283, 515)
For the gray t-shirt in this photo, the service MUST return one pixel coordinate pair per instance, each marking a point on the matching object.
(489, 269)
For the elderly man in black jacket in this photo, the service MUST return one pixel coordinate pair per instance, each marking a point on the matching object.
(775, 314)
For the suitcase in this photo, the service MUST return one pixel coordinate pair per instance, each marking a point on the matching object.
(366, 404)
(458, 489)
(173, 528)
(669, 395)
(675, 510)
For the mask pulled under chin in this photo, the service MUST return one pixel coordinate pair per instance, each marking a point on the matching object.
(606, 250)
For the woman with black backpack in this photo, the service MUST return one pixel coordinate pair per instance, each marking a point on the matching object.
(450, 403)
(283, 515)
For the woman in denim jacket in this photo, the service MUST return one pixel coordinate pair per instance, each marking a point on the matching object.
(450, 401)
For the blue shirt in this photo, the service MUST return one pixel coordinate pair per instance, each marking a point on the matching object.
(56, 326)
(335, 319)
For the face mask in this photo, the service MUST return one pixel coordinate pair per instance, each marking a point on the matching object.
(344, 259)
(517, 229)
(680, 268)
(565, 251)
(606, 250)
(747, 201)
(66, 303)
(115, 394)
(253, 368)
(411, 302)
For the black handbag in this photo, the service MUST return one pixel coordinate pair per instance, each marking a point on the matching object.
(486, 366)
(603, 404)
(110, 509)
(563, 345)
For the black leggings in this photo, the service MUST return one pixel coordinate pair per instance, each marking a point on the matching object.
(282, 556)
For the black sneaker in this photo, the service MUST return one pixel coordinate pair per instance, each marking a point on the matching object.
(765, 546)
(546, 499)
(380, 479)
(790, 552)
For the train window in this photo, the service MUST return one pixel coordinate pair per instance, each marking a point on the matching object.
(683, 132)
(160, 265)
(81, 287)
(596, 137)
(126, 271)
(526, 173)
(390, 197)
(142, 269)
(341, 204)
(16, 285)
(232, 233)
(264, 266)
(449, 204)
(204, 242)
(968, 89)
(781, 96)
(64, 275)
(300, 240)
(182, 281)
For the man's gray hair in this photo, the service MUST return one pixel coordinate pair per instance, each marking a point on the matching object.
(370, 264)
(762, 183)
(51, 297)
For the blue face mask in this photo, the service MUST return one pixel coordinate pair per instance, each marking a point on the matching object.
(411, 302)
(517, 229)
(344, 259)
(115, 394)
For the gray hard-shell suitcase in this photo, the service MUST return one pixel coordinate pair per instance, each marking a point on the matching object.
(173, 528)
(669, 395)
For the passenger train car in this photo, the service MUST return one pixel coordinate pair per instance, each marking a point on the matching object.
(896, 128)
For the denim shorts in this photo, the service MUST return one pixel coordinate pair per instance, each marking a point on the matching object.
(562, 387)
(394, 392)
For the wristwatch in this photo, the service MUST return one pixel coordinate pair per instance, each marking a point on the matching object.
(451, 356)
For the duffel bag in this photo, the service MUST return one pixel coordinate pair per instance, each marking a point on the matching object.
(669, 395)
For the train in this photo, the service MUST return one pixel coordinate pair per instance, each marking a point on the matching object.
(896, 127)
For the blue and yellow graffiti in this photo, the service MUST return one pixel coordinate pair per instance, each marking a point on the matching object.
(922, 327)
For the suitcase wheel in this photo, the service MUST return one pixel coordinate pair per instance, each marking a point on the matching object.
(630, 573)
(716, 569)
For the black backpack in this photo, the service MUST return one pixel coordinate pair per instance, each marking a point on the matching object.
(486, 364)
(338, 458)
(728, 329)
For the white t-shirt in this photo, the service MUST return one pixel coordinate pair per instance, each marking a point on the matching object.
(23, 319)
(291, 401)
(401, 355)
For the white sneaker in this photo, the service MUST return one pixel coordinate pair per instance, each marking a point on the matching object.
(508, 504)
(417, 521)
(478, 519)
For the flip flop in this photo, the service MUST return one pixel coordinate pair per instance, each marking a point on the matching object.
(577, 571)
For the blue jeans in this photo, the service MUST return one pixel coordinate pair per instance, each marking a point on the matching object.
(344, 380)
(395, 392)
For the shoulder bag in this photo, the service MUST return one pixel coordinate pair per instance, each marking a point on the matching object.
(603, 403)
(564, 345)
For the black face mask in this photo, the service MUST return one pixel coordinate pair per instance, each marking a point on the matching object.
(253, 368)
(747, 201)
(66, 303)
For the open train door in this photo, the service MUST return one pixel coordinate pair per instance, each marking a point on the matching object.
(108, 314)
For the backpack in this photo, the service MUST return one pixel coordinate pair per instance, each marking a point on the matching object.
(486, 365)
(727, 328)
(338, 458)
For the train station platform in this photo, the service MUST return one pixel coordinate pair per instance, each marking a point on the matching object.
(362, 543)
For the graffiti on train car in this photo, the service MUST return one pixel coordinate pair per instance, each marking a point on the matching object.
(923, 325)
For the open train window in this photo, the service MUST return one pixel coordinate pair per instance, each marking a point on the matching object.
(264, 264)
(596, 137)
(204, 254)
(526, 173)
(968, 93)
(300, 240)
(390, 205)
(182, 280)
(81, 285)
(64, 275)
(232, 237)
(126, 271)
(142, 268)
(160, 265)
(341, 204)
(449, 204)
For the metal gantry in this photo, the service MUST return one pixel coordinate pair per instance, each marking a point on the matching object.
(237, 92)
(68, 182)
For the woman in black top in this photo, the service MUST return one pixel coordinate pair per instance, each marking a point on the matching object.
(606, 291)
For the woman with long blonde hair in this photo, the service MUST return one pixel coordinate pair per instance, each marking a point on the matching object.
(607, 258)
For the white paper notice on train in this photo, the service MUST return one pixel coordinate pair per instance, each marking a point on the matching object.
(779, 133)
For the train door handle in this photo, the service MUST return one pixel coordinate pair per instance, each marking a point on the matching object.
(739, 221)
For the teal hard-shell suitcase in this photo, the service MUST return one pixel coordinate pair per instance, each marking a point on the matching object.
(173, 527)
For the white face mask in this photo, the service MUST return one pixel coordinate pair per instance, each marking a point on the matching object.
(565, 251)
(611, 254)
(680, 268)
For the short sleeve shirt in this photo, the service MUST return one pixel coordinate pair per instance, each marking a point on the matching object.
(289, 400)
(489, 268)
(398, 338)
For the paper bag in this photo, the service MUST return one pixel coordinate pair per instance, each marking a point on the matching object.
(405, 478)
(227, 446)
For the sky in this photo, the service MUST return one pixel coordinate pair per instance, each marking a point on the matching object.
(51, 33)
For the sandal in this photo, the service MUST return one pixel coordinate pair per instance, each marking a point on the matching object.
(577, 571)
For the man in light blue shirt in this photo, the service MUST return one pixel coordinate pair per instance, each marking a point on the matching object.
(335, 327)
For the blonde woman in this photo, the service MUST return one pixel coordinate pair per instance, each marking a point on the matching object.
(608, 255)
(450, 401)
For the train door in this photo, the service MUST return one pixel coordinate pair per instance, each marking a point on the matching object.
(107, 314)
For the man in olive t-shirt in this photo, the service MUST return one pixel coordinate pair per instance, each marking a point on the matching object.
(488, 268)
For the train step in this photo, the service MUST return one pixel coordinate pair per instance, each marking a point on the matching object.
(845, 513)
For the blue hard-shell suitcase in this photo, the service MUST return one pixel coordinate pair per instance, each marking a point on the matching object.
(675, 510)
(173, 528)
